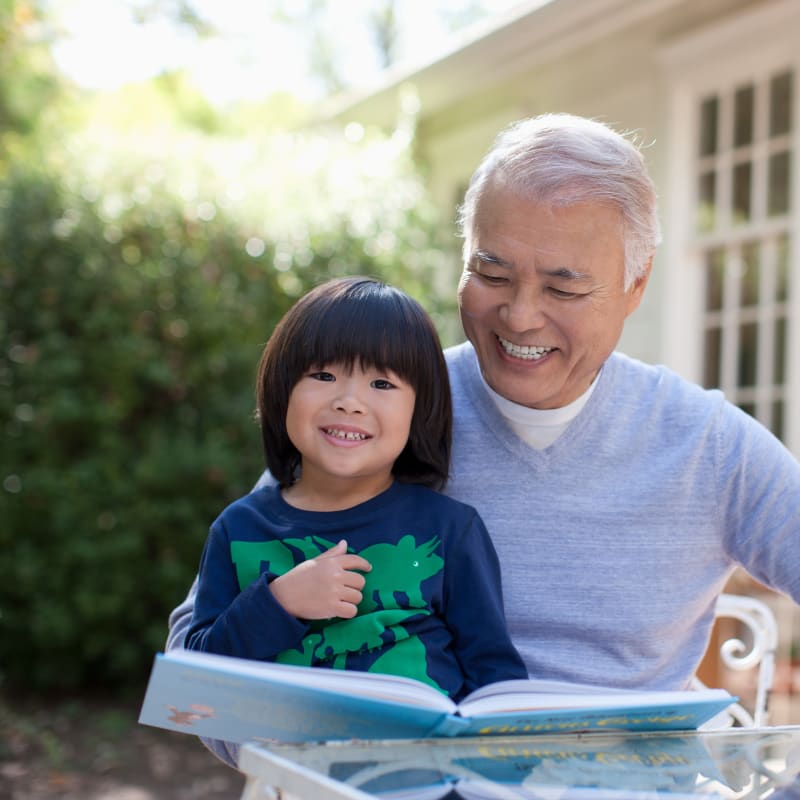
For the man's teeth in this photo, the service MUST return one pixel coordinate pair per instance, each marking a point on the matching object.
(523, 351)
(346, 434)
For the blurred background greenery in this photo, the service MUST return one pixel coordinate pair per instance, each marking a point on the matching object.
(149, 240)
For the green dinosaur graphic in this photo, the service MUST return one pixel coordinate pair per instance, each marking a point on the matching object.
(310, 546)
(407, 658)
(248, 556)
(342, 636)
(392, 594)
(400, 567)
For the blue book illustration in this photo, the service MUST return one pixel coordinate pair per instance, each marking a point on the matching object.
(239, 700)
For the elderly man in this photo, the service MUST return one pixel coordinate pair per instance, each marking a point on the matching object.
(619, 496)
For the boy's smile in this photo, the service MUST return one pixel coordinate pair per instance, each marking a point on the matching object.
(346, 435)
(349, 425)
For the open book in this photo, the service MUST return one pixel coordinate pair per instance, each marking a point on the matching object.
(239, 700)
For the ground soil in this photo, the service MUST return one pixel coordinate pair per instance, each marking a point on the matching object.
(95, 750)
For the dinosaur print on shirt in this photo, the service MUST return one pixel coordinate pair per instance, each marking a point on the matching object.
(392, 595)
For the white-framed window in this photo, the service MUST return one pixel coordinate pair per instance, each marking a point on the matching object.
(732, 227)
(731, 215)
(743, 234)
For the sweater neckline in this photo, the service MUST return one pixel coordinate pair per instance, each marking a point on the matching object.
(493, 419)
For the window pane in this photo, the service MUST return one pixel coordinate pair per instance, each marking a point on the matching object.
(748, 408)
(750, 275)
(780, 104)
(778, 189)
(708, 126)
(706, 207)
(777, 418)
(741, 192)
(743, 116)
(711, 357)
(779, 367)
(748, 353)
(782, 289)
(715, 275)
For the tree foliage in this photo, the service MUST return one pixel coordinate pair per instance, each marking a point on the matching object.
(126, 389)
(141, 272)
(28, 83)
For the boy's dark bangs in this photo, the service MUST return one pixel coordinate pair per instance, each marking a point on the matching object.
(374, 331)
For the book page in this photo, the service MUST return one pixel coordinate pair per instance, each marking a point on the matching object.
(542, 686)
(391, 688)
(520, 695)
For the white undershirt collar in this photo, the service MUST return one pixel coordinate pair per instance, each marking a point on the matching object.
(537, 427)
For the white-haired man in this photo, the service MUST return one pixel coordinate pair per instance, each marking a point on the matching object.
(619, 496)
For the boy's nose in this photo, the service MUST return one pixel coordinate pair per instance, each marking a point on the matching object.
(349, 399)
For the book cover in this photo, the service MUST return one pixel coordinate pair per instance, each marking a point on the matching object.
(238, 700)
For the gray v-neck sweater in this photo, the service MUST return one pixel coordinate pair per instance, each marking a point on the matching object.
(615, 540)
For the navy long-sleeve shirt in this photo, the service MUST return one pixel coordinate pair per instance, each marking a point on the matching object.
(432, 605)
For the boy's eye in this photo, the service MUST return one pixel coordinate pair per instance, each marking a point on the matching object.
(322, 376)
(381, 383)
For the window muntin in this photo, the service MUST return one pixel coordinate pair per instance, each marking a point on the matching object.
(742, 222)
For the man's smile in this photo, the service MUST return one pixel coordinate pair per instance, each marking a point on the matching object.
(525, 352)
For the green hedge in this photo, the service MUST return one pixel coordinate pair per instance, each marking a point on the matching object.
(130, 334)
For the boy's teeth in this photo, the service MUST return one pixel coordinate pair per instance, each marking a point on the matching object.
(345, 434)
(523, 351)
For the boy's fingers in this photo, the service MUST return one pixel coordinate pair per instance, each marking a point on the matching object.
(352, 561)
(346, 610)
(353, 580)
(340, 548)
(351, 595)
(349, 560)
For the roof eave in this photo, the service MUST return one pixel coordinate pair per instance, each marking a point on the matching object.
(531, 33)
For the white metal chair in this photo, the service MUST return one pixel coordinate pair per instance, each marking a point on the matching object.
(736, 655)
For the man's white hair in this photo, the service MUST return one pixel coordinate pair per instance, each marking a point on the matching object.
(561, 159)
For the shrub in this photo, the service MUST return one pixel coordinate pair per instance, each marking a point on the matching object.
(131, 327)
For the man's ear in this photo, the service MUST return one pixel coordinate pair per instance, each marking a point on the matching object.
(636, 291)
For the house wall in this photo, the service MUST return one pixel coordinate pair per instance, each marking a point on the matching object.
(617, 79)
(628, 75)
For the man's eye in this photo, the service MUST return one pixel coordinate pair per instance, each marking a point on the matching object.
(495, 280)
(322, 376)
(563, 295)
(382, 383)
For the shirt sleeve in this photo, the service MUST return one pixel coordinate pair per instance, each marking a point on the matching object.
(759, 482)
(473, 604)
(249, 623)
(180, 618)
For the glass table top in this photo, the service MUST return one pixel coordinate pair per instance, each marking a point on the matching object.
(731, 763)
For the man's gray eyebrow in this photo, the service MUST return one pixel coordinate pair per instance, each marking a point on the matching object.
(563, 273)
(490, 258)
(567, 274)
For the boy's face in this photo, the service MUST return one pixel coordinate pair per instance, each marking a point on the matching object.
(349, 425)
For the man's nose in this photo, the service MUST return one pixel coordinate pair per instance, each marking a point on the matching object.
(524, 309)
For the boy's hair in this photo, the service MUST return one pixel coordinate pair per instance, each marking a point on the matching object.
(349, 320)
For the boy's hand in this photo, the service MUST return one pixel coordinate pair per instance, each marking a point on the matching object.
(323, 587)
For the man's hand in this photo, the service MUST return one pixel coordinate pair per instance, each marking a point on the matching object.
(323, 587)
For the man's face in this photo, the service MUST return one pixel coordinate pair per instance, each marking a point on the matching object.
(541, 296)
